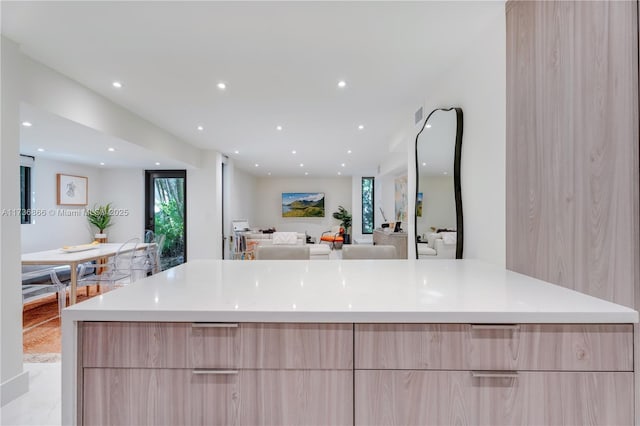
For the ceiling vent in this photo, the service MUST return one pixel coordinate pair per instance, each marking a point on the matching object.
(418, 115)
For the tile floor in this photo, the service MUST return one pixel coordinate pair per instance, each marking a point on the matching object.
(41, 406)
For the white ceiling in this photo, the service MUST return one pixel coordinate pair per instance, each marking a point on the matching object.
(66, 140)
(281, 62)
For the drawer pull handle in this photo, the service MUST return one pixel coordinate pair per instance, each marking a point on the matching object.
(214, 371)
(495, 326)
(214, 325)
(494, 374)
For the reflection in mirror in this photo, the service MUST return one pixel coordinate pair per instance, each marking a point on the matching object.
(439, 228)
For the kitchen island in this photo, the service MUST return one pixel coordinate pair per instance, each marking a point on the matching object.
(347, 342)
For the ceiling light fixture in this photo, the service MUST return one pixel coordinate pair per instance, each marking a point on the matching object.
(201, 128)
(445, 173)
(343, 165)
(111, 149)
(301, 165)
(101, 163)
(117, 84)
(236, 152)
(26, 124)
(306, 173)
(349, 152)
(40, 149)
(257, 165)
(269, 173)
(339, 173)
(293, 152)
(424, 164)
(278, 128)
(428, 126)
(342, 84)
(360, 127)
(157, 164)
(222, 86)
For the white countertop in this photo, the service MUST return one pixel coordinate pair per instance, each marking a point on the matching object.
(450, 291)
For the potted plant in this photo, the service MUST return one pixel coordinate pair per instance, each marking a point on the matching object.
(345, 221)
(100, 217)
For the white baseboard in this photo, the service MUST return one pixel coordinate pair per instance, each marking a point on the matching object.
(14, 387)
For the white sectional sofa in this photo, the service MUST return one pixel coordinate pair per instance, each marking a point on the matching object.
(438, 246)
(317, 251)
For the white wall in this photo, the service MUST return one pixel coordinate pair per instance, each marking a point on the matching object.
(57, 227)
(268, 205)
(13, 380)
(204, 209)
(124, 189)
(477, 84)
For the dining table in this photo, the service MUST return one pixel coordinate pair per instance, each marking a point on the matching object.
(76, 257)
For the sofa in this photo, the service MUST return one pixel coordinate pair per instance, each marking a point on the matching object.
(440, 245)
(284, 239)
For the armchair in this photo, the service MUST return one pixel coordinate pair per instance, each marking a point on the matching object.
(334, 236)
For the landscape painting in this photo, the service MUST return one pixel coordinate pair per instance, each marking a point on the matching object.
(303, 204)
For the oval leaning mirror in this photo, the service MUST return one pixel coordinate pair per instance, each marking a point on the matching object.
(439, 227)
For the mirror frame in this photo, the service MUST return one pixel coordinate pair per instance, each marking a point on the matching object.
(456, 181)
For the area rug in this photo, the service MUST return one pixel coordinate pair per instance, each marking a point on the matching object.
(41, 334)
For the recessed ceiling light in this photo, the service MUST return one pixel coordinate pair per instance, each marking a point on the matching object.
(339, 173)
(117, 84)
(293, 152)
(236, 152)
(26, 124)
(343, 165)
(445, 173)
(157, 164)
(428, 126)
(360, 127)
(301, 165)
(200, 128)
(40, 149)
(101, 163)
(278, 127)
(269, 173)
(342, 84)
(222, 86)
(424, 164)
(111, 149)
(349, 152)
(257, 165)
(306, 173)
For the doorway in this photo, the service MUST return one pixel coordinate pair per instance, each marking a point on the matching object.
(166, 213)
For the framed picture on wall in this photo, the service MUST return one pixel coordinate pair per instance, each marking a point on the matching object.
(419, 205)
(72, 190)
(303, 204)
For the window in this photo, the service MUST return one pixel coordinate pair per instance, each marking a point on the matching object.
(367, 205)
(25, 189)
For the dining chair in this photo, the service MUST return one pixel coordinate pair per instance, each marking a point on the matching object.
(282, 252)
(118, 269)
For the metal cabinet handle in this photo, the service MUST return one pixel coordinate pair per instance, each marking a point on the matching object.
(494, 374)
(214, 325)
(495, 326)
(214, 371)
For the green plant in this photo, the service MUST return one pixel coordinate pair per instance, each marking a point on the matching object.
(344, 217)
(100, 217)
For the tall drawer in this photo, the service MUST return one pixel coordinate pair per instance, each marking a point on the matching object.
(217, 345)
(584, 347)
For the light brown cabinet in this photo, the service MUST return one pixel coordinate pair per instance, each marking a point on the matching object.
(396, 239)
(370, 374)
(415, 397)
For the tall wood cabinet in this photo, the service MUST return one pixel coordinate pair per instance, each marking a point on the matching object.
(572, 176)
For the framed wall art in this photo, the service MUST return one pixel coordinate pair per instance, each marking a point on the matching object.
(72, 190)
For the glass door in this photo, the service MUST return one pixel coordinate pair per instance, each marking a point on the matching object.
(165, 213)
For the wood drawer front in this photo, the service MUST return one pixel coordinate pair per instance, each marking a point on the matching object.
(118, 396)
(418, 397)
(136, 344)
(217, 345)
(578, 347)
(125, 397)
(297, 346)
